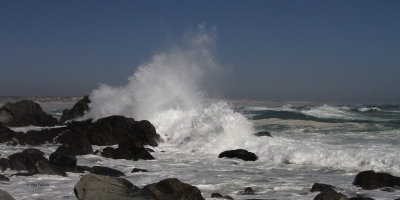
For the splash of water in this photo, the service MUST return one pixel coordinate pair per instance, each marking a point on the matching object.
(167, 91)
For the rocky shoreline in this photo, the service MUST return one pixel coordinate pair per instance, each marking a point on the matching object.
(99, 182)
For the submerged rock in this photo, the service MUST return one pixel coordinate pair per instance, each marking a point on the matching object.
(263, 134)
(172, 188)
(135, 170)
(240, 154)
(106, 171)
(247, 191)
(369, 180)
(25, 113)
(220, 196)
(78, 110)
(129, 149)
(100, 187)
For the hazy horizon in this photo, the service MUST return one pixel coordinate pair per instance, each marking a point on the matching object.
(324, 52)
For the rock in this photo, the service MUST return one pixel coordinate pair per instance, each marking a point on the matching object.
(129, 150)
(247, 191)
(220, 196)
(38, 137)
(25, 113)
(4, 164)
(239, 153)
(361, 198)
(43, 167)
(62, 160)
(6, 134)
(76, 146)
(34, 162)
(99, 187)
(4, 178)
(106, 171)
(5, 196)
(330, 194)
(320, 187)
(369, 180)
(78, 110)
(263, 134)
(172, 188)
(135, 170)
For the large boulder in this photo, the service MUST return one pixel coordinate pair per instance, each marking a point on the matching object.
(6, 134)
(75, 145)
(100, 187)
(369, 180)
(172, 188)
(320, 187)
(240, 154)
(25, 113)
(263, 134)
(78, 110)
(5, 196)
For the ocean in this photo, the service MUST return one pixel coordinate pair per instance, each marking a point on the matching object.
(310, 143)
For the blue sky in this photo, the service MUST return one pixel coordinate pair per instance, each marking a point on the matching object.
(329, 51)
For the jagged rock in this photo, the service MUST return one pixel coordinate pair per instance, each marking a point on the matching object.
(320, 187)
(75, 145)
(129, 150)
(99, 187)
(62, 160)
(25, 113)
(369, 180)
(247, 191)
(106, 171)
(34, 162)
(78, 110)
(4, 178)
(135, 170)
(5, 196)
(330, 194)
(263, 134)
(239, 153)
(4, 164)
(172, 188)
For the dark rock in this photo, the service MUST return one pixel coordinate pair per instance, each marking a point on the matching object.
(129, 149)
(263, 134)
(96, 152)
(39, 137)
(75, 145)
(34, 162)
(220, 196)
(135, 170)
(4, 164)
(247, 191)
(5, 196)
(23, 174)
(173, 188)
(78, 110)
(6, 134)
(77, 169)
(95, 186)
(4, 178)
(239, 153)
(361, 198)
(320, 187)
(330, 194)
(106, 171)
(62, 160)
(369, 180)
(25, 113)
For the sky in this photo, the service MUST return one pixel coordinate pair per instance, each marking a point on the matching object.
(322, 51)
